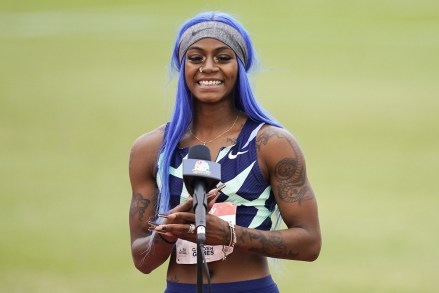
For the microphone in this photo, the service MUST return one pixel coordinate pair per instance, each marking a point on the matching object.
(199, 175)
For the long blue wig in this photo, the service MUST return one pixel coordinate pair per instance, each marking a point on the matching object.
(183, 111)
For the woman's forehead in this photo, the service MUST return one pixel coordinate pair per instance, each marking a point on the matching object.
(209, 44)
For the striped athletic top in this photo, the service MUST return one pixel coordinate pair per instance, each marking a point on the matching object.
(240, 172)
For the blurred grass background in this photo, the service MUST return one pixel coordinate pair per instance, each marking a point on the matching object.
(355, 81)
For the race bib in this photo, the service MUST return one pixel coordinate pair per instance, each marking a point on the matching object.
(187, 251)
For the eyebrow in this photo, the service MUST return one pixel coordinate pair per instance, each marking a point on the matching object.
(216, 49)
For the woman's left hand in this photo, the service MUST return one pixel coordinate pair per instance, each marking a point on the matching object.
(181, 225)
(180, 222)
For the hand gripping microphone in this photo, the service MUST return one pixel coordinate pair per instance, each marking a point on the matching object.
(200, 174)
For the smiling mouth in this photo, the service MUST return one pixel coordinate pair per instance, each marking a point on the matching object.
(209, 82)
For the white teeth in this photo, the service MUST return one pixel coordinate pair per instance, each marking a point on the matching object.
(209, 82)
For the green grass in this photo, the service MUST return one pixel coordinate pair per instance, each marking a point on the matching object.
(356, 82)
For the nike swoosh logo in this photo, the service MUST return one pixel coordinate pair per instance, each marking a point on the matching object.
(200, 30)
(232, 156)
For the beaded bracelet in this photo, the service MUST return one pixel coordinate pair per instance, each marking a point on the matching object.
(232, 235)
(232, 239)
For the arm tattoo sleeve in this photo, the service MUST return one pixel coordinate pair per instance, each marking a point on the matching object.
(289, 173)
(290, 177)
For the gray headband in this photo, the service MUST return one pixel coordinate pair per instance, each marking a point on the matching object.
(215, 30)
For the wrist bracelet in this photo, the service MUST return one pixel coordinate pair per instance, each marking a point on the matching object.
(232, 240)
(232, 235)
(165, 240)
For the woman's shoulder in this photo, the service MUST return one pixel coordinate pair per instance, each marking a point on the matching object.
(271, 132)
(150, 138)
(276, 139)
(150, 142)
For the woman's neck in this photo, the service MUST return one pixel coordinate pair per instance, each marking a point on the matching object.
(213, 120)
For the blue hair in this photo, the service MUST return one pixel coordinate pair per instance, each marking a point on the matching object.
(182, 116)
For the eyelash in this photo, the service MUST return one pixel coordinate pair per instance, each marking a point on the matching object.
(196, 59)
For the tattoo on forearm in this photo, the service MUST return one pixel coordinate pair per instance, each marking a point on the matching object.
(273, 245)
(226, 234)
(138, 206)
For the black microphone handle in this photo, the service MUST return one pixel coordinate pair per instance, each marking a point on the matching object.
(200, 207)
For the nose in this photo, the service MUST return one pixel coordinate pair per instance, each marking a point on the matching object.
(210, 65)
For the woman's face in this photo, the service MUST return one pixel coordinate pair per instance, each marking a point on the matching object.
(219, 70)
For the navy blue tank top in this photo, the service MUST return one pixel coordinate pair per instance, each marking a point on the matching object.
(240, 172)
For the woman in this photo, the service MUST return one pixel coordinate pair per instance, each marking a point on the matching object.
(262, 166)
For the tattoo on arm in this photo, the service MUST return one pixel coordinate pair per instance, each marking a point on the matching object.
(289, 173)
(291, 181)
(292, 187)
(262, 139)
(274, 245)
(226, 234)
(290, 169)
(138, 206)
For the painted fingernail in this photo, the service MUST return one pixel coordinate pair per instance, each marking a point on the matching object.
(160, 228)
(152, 223)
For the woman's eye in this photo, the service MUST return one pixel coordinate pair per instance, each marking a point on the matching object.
(195, 58)
(223, 58)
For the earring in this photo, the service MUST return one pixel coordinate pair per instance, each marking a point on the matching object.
(200, 69)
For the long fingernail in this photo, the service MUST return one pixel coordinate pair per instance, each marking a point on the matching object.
(162, 216)
(152, 224)
(221, 186)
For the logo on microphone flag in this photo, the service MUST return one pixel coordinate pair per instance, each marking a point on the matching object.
(201, 167)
